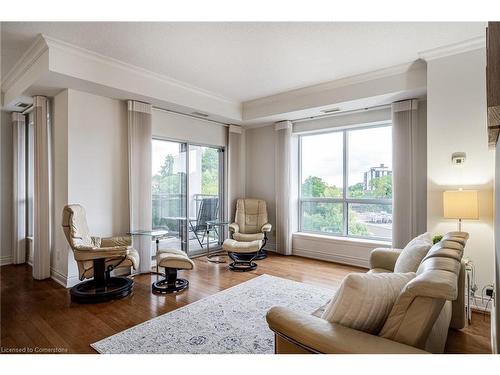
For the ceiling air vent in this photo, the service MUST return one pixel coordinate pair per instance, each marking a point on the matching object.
(331, 110)
(21, 105)
(200, 114)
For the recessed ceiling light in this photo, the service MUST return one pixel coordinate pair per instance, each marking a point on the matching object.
(331, 110)
(199, 114)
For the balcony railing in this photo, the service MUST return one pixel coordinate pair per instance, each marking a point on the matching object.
(166, 207)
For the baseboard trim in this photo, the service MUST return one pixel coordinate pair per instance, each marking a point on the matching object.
(270, 246)
(58, 277)
(5, 260)
(63, 280)
(329, 257)
(480, 305)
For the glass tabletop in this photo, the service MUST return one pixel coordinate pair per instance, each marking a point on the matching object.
(218, 222)
(151, 233)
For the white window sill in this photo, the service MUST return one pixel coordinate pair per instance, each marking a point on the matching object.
(338, 239)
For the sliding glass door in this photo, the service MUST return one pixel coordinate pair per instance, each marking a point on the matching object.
(170, 191)
(187, 192)
(204, 194)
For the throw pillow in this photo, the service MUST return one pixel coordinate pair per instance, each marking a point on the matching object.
(413, 253)
(364, 300)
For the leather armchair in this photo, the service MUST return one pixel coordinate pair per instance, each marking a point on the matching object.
(96, 257)
(251, 223)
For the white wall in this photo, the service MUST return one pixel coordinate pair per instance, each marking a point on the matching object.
(456, 118)
(90, 168)
(260, 171)
(98, 161)
(6, 189)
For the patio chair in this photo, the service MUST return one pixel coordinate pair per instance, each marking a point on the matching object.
(208, 210)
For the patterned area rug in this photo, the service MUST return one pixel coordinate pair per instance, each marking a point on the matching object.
(231, 321)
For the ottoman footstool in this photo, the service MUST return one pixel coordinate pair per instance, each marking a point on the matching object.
(248, 248)
(172, 260)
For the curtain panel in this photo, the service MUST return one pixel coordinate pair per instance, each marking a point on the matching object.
(284, 187)
(140, 159)
(409, 173)
(19, 187)
(42, 188)
(235, 167)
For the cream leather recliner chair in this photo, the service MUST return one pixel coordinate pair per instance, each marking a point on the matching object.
(417, 323)
(96, 258)
(249, 234)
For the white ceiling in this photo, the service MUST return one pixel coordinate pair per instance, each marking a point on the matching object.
(244, 61)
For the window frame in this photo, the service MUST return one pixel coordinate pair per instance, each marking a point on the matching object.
(222, 181)
(345, 200)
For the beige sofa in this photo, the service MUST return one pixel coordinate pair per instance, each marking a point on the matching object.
(418, 322)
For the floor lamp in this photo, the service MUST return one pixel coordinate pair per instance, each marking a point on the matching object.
(460, 204)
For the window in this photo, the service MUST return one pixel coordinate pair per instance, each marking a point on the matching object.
(346, 183)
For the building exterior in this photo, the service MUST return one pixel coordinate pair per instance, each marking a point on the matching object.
(373, 173)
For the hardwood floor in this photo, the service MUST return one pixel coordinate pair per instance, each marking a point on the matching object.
(39, 316)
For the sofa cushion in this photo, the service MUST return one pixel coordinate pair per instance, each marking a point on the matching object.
(364, 301)
(413, 253)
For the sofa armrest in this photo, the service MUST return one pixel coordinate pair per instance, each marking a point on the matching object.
(234, 227)
(384, 258)
(320, 336)
(116, 241)
(266, 228)
(91, 253)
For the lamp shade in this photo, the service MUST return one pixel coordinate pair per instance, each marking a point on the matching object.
(460, 204)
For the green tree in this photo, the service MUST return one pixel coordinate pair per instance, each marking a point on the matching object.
(382, 187)
(210, 171)
(356, 190)
(314, 187)
(167, 168)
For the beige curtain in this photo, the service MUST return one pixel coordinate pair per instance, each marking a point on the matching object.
(19, 188)
(235, 168)
(409, 173)
(42, 189)
(140, 149)
(283, 185)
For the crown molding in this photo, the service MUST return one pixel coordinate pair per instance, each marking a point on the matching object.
(453, 49)
(396, 79)
(342, 82)
(115, 63)
(37, 48)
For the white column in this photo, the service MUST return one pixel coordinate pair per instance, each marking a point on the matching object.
(42, 195)
(19, 187)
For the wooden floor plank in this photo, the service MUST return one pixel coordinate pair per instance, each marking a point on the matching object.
(40, 313)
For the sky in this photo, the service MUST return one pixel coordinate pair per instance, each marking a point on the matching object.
(322, 154)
